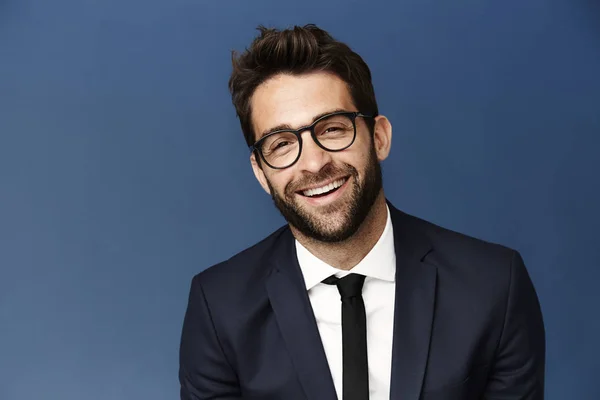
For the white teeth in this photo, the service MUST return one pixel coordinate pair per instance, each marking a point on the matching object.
(324, 189)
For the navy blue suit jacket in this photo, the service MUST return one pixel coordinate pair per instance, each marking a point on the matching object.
(467, 323)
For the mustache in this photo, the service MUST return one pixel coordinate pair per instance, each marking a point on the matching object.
(329, 171)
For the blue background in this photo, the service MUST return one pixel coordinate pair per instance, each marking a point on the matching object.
(123, 171)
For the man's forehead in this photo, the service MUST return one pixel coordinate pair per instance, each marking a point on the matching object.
(290, 102)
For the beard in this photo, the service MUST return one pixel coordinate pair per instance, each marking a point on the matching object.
(352, 213)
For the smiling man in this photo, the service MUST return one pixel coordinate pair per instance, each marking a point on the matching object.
(352, 299)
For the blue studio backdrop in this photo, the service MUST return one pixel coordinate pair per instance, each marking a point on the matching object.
(123, 171)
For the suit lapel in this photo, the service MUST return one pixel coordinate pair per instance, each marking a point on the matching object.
(291, 305)
(414, 308)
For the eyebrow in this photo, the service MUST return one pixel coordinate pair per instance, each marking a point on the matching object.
(286, 127)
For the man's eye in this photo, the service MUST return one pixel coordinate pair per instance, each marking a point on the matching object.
(280, 145)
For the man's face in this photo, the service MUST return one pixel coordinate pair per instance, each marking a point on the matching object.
(351, 178)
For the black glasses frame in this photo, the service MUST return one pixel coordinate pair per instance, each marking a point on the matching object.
(257, 147)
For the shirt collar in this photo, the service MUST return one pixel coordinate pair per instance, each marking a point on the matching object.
(379, 263)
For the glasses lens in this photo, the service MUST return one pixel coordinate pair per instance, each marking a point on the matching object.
(335, 132)
(281, 149)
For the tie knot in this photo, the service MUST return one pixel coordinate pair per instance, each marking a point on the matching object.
(348, 286)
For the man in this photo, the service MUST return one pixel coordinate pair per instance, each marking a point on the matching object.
(352, 299)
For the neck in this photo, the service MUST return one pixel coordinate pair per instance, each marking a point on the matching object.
(345, 255)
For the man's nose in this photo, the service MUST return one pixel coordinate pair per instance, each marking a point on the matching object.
(313, 158)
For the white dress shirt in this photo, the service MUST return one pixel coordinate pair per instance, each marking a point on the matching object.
(379, 267)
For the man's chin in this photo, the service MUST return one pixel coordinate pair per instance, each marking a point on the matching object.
(332, 236)
(326, 215)
(331, 228)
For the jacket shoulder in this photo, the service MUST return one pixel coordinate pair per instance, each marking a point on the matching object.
(245, 266)
(455, 247)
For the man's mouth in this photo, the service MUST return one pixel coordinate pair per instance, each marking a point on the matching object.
(324, 190)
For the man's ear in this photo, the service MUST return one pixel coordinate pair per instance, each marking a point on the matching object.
(382, 137)
(259, 173)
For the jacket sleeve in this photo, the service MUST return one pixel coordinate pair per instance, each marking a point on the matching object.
(204, 372)
(519, 365)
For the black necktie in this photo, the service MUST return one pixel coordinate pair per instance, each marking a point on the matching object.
(355, 372)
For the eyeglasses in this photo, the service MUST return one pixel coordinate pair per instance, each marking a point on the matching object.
(332, 132)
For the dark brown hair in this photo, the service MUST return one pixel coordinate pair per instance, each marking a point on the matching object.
(299, 50)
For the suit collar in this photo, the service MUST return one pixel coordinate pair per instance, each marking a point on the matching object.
(410, 238)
